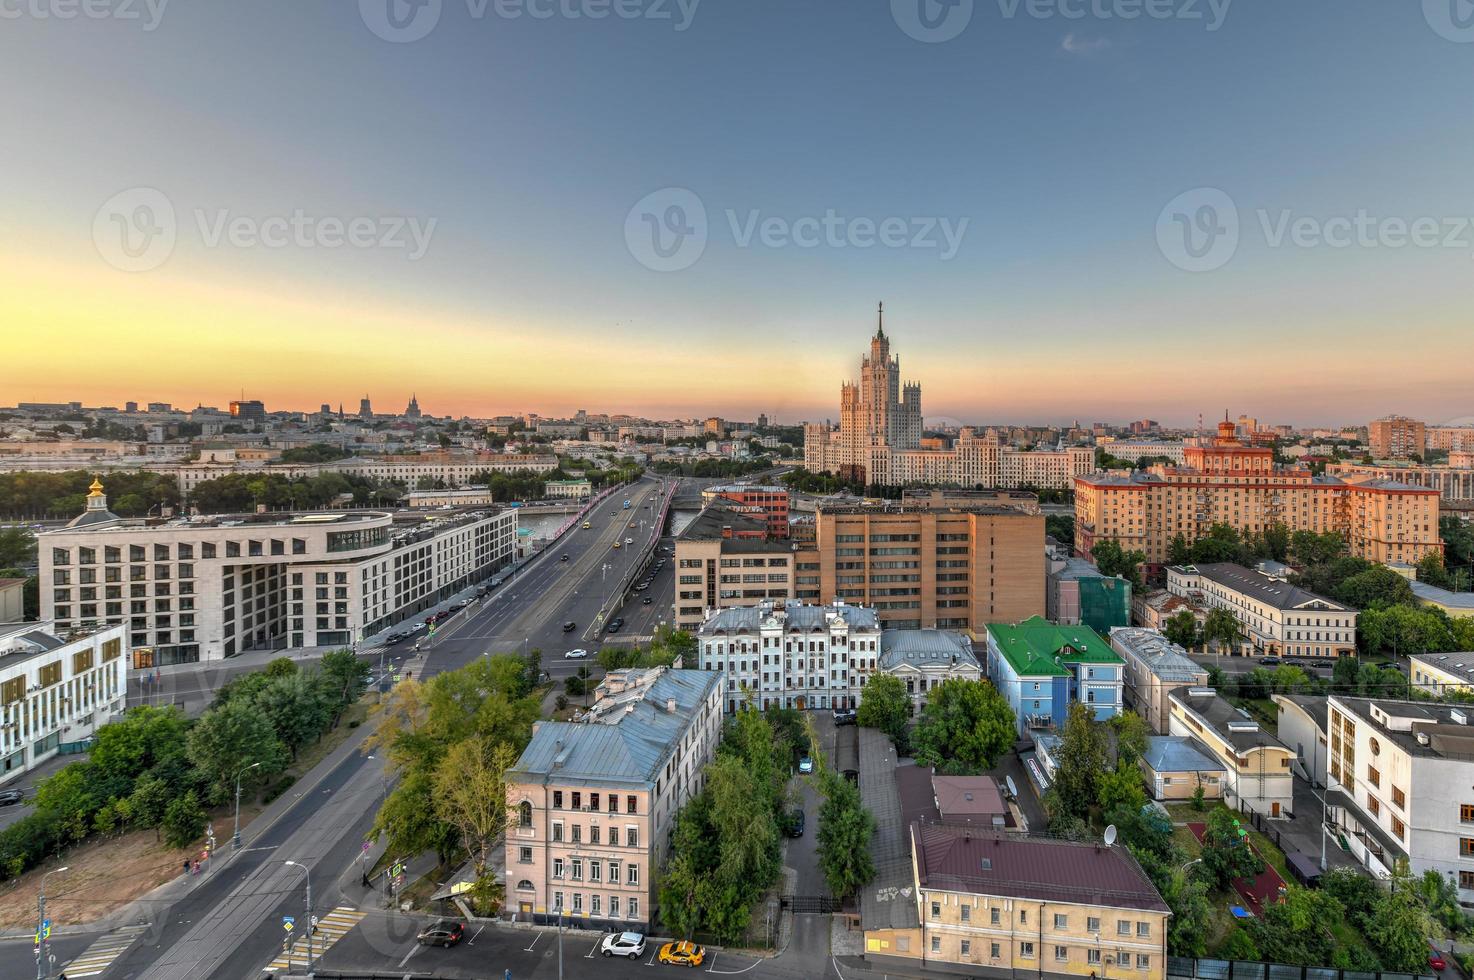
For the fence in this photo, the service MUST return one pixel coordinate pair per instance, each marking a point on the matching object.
(1186, 968)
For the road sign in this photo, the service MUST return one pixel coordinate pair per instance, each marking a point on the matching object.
(365, 847)
(287, 922)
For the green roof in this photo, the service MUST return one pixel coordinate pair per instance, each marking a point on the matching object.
(1038, 648)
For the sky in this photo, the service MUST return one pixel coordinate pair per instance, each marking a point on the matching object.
(1072, 209)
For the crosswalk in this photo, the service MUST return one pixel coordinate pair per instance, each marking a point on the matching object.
(100, 955)
(330, 928)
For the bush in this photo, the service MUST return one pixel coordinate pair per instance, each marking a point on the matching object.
(184, 820)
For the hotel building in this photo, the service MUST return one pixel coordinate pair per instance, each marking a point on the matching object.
(1233, 483)
(592, 802)
(207, 588)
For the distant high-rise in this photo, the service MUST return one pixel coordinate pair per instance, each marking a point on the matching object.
(1397, 437)
(412, 411)
(130, 407)
(325, 410)
(365, 410)
(248, 411)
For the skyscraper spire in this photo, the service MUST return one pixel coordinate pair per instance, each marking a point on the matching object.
(880, 322)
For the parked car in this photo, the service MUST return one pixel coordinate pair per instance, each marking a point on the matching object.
(806, 764)
(845, 716)
(796, 823)
(1269, 661)
(630, 944)
(570, 626)
(683, 953)
(10, 797)
(575, 654)
(442, 932)
(1435, 958)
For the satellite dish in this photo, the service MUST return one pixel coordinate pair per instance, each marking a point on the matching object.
(1110, 835)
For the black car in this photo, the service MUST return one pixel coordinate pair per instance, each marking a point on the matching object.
(10, 797)
(442, 932)
(570, 626)
(394, 638)
(564, 558)
(845, 716)
(1270, 661)
(796, 823)
(646, 601)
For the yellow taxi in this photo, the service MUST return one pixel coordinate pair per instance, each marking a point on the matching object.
(683, 953)
(616, 546)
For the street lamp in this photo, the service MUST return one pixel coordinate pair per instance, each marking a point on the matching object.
(43, 947)
(235, 838)
(308, 875)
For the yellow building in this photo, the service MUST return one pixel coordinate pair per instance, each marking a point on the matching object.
(1256, 764)
(1232, 483)
(998, 903)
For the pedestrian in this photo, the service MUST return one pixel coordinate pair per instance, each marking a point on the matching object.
(197, 867)
(186, 866)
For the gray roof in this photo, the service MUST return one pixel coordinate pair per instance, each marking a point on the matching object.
(626, 746)
(889, 901)
(1460, 665)
(1312, 705)
(1443, 597)
(1446, 727)
(794, 615)
(1076, 568)
(708, 526)
(1172, 753)
(1158, 654)
(1233, 727)
(1271, 591)
(924, 648)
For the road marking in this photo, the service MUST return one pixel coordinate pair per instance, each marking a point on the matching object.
(415, 949)
(472, 940)
(538, 935)
(732, 973)
(95, 959)
(593, 950)
(330, 928)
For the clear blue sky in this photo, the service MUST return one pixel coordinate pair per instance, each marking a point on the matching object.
(528, 141)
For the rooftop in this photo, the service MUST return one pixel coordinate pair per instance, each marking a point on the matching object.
(923, 648)
(1460, 665)
(791, 616)
(1421, 728)
(1039, 648)
(1313, 705)
(1171, 753)
(1031, 868)
(626, 741)
(1158, 654)
(1077, 568)
(1443, 597)
(1271, 591)
(967, 796)
(1228, 722)
(714, 520)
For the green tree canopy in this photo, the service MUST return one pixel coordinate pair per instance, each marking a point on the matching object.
(964, 727)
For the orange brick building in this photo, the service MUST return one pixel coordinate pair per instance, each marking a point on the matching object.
(1233, 483)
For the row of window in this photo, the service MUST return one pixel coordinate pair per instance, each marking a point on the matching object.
(1124, 927)
(631, 904)
(1122, 959)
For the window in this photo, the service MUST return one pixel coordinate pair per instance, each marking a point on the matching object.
(557, 867)
(631, 875)
(577, 834)
(1026, 950)
(632, 836)
(577, 869)
(1466, 813)
(1143, 930)
(1373, 776)
(524, 814)
(634, 912)
(1123, 928)
(1092, 957)
(524, 855)
(1399, 829)
(1466, 879)
(993, 919)
(613, 872)
(81, 661)
(1061, 921)
(577, 902)
(936, 910)
(1092, 923)
(966, 947)
(1374, 806)
(1399, 799)
(967, 913)
(525, 885)
(49, 674)
(594, 905)
(557, 799)
(630, 804)
(936, 944)
(1061, 954)
(994, 950)
(1466, 847)
(1023, 917)
(613, 906)
(558, 901)
(557, 830)
(1143, 961)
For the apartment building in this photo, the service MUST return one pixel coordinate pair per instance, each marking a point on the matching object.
(1451, 438)
(768, 504)
(56, 689)
(1134, 450)
(933, 568)
(1154, 668)
(207, 588)
(1256, 765)
(1040, 668)
(793, 655)
(1004, 905)
(1400, 785)
(1237, 484)
(1396, 437)
(449, 469)
(593, 801)
(1278, 618)
(1453, 480)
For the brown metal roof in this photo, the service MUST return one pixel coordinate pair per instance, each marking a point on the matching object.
(1033, 868)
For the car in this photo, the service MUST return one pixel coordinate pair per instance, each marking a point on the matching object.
(630, 944)
(564, 558)
(796, 823)
(629, 540)
(417, 627)
(1269, 661)
(845, 716)
(683, 953)
(632, 523)
(806, 764)
(456, 606)
(575, 654)
(394, 638)
(1436, 960)
(570, 626)
(442, 932)
(616, 546)
(641, 586)
(10, 797)
(646, 601)
(587, 525)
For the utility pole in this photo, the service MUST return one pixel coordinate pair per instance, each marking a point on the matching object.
(43, 929)
(311, 921)
(235, 837)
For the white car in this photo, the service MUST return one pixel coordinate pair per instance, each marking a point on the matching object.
(575, 655)
(631, 944)
(629, 540)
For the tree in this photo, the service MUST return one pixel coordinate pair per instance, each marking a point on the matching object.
(299, 708)
(1399, 925)
(1297, 930)
(1221, 627)
(1082, 758)
(845, 830)
(1182, 629)
(346, 676)
(227, 739)
(184, 820)
(964, 727)
(1309, 548)
(470, 794)
(1122, 787)
(1376, 587)
(885, 706)
(1111, 559)
(1132, 734)
(17, 547)
(1431, 570)
(281, 667)
(1226, 852)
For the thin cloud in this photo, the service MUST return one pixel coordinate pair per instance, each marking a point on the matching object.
(1080, 45)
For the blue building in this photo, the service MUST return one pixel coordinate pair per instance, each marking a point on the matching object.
(1040, 667)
